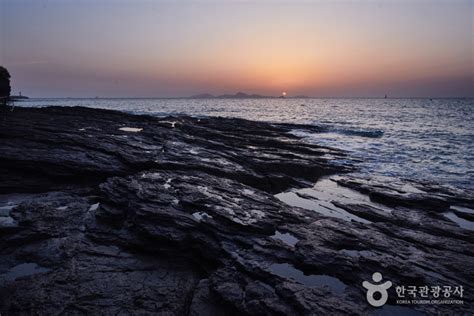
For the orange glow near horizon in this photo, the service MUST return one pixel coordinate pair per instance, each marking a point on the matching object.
(321, 48)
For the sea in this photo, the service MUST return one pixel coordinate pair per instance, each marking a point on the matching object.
(428, 140)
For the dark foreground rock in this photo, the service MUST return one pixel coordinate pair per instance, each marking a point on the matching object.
(107, 213)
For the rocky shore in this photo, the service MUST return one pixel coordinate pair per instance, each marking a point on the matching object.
(108, 213)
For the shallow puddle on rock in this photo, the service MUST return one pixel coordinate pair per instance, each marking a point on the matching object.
(7, 203)
(461, 222)
(23, 269)
(248, 192)
(7, 221)
(462, 209)
(94, 207)
(286, 270)
(167, 184)
(329, 190)
(131, 129)
(322, 207)
(199, 216)
(287, 238)
(5, 209)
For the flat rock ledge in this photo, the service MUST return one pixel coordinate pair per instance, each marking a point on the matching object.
(108, 213)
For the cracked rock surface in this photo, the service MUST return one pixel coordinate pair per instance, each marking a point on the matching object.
(108, 213)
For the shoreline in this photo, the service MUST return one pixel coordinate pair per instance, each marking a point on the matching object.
(181, 213)
(381, 140)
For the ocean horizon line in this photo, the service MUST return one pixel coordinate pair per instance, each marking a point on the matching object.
(265, 97)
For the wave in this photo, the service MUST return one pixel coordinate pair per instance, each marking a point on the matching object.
(303, 130)
(355, 132)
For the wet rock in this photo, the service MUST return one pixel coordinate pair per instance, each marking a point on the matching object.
(56, 147)
(141, 215)
(417, 195)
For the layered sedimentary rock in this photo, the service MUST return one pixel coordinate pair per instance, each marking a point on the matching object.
(105, 212)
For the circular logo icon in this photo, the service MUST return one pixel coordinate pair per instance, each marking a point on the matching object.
(377, 288)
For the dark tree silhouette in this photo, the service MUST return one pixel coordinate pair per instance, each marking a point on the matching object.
(4, 85)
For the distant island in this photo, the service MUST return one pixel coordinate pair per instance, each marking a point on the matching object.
(238, 95)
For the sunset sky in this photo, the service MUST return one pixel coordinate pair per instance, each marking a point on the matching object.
(178, 48)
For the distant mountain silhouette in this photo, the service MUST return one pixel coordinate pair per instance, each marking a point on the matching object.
(238, 95)
(202, 96)
(241, 95)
